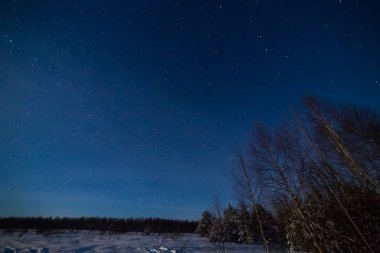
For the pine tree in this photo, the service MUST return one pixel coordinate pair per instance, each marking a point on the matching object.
(244, 222)
(230, 223)
(267, 221)
(205, 224)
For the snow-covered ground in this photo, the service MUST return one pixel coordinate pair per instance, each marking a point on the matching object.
(95, 241)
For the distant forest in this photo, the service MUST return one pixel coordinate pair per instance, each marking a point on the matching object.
(146, 225)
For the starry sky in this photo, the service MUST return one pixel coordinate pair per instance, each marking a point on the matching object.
(136, 108)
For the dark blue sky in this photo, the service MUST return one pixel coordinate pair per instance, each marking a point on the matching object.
(136, 108)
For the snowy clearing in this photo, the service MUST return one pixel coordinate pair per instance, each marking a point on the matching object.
(95, 241)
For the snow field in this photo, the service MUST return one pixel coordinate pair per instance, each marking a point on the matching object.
(95, 241)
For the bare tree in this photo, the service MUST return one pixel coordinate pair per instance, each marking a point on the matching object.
(330, 133)
(282, 160)
(321, 171)
(217, 230)
(328, 169)
(248, 191)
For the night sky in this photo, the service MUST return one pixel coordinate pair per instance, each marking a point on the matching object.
(136, 108)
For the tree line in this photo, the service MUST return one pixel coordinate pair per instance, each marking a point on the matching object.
(318, 173)
(146, 225)
(236, 224)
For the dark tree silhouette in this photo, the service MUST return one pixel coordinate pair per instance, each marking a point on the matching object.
(319, 172)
